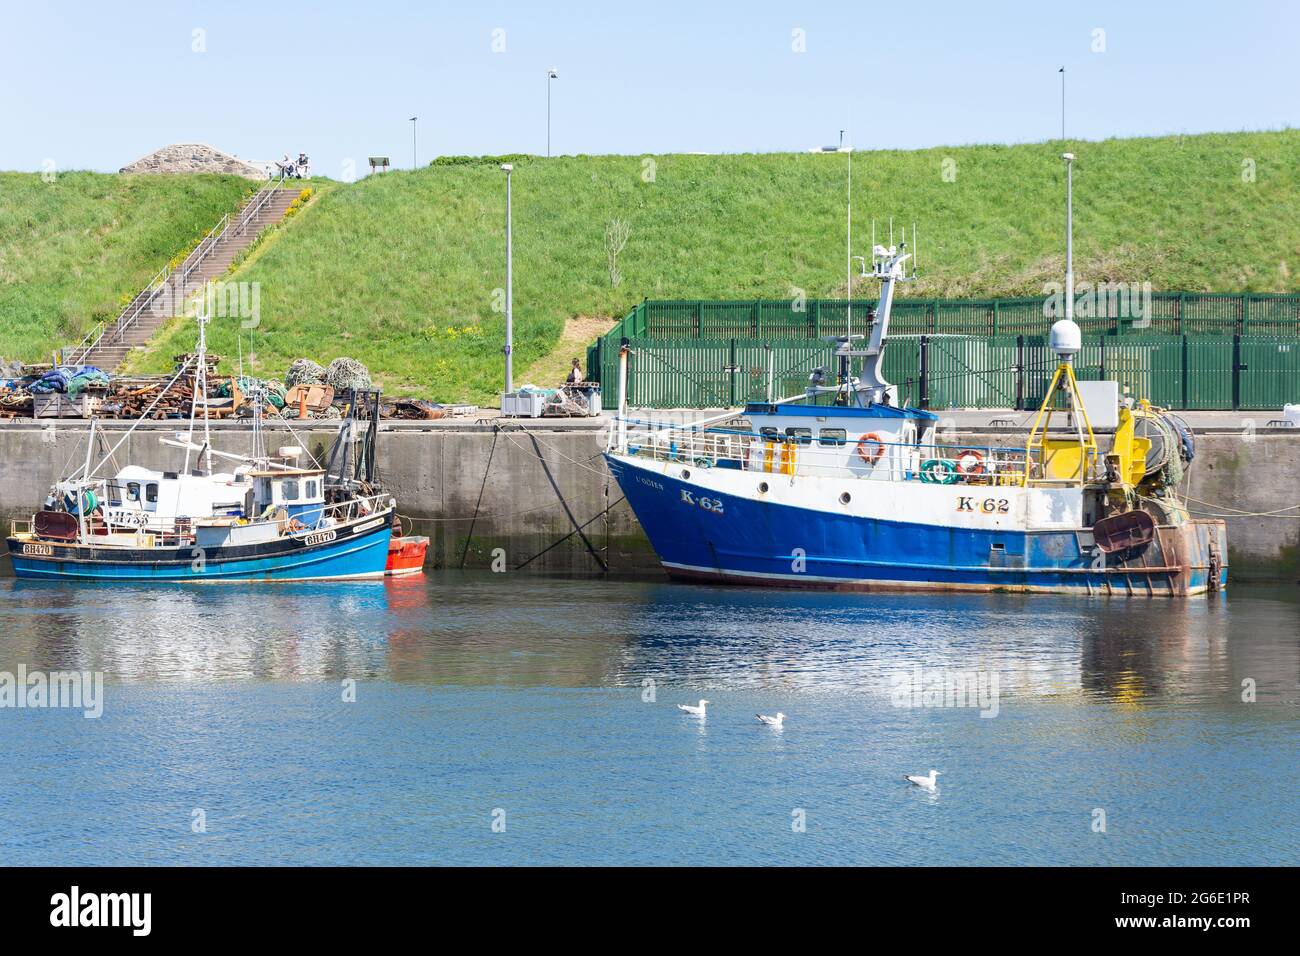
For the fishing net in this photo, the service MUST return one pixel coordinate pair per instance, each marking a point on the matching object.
(273, 390)
(304, 371)
(345, 373)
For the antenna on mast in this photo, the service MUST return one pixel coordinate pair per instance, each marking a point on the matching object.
(848, 248)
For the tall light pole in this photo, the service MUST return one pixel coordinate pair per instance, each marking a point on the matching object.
(1062, 72)
(413, 161)
(510, 383)
(848, 251)
(551, 74)
(1069, 234)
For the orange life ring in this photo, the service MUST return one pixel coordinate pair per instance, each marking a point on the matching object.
(865, 445)
(970, 462)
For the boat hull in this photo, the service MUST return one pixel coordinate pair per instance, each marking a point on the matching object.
(355, 551)
(736, 539)
(406, 555)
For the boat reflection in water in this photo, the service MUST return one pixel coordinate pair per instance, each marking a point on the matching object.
(378, 723)
(485, 629)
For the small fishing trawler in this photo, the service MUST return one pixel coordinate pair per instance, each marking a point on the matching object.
(266, 519)
(843, 488)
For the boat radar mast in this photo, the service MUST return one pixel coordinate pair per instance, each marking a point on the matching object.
(1064, 460)
(888, 265)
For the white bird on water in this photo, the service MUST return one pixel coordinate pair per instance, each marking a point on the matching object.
(773, 722)
(925, 783)
(695, 711)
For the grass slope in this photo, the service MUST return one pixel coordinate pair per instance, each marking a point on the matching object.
(74, 250)
(399, 270)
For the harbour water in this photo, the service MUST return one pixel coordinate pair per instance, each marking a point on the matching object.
(513, 719)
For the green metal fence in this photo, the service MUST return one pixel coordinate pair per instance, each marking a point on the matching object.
(1104, 310)
(946, 371)
(1181, 350)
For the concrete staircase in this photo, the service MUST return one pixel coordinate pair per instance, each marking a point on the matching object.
(168, 294)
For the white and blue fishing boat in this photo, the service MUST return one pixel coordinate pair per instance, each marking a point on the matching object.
(265, 519)
(841, 487)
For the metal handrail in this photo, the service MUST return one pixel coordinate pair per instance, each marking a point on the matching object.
(817, 457)
(246, 215)
(343, 510)
(159, 282)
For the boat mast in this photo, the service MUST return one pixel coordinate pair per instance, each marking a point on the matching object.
(78, 490)
(887, 266)
(200, 388)
(848, 256)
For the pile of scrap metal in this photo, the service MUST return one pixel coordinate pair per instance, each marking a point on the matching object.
(309, 390)
(414, 409)
(15, 398)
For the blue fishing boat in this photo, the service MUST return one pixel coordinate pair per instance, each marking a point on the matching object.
(842, 487)
(266, 519)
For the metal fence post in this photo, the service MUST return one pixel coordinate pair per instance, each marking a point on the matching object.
(1185, 374)
(1020, 373)
(924, 387)
(1237, 369)
(731, 366)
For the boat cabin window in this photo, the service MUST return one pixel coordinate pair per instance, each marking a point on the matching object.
(832, 436)
(289, 489)
(769, 433)
(800, 436)
(310, 491)
(133, 491)
(151, 492)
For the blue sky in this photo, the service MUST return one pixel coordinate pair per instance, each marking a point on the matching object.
(97, 85)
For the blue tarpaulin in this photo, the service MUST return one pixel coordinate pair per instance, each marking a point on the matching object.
(69, 380)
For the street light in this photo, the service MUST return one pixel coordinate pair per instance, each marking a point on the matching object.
(413, 162)
(510, 384)
(551, 74)
(1069, 235)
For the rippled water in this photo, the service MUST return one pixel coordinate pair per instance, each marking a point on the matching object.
(524, 700)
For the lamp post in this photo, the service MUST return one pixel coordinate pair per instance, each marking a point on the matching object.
(1062, 72)
(551, 74)
(413, 160)
(510, 384)
(1069, 235)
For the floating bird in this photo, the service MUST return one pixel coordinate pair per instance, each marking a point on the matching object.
(774, 722)
(925, 783)
(693, 710)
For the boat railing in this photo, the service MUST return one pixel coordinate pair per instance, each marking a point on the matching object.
(356, 508)
(798, 455)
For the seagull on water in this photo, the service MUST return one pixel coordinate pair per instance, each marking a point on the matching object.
(925, 783)
(693, 710)
(773, 722)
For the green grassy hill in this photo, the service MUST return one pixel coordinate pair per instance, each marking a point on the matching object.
(399, 270)
(74, 250)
